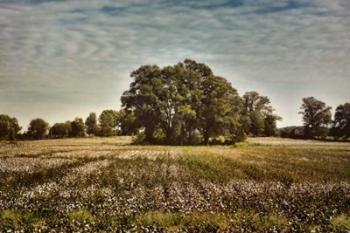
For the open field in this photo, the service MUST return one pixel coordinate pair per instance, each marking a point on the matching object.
(105, 184)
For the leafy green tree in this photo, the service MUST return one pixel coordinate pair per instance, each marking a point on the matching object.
(142, 99)
(220, 107)
(258, 117)
(91, 124)
(341, 124)
(9, 127)
(60, 130)
(270, 124)
(174, 102)
(128, 123)
(108, 123)
(78, 127)
(316, 116)
(252, 102)
(38, 128)
(257, 126)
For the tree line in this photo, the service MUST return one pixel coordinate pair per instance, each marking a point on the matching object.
(187, 104)
(106, 125)
(318, 122)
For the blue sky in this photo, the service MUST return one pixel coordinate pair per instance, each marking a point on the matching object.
(65, 58)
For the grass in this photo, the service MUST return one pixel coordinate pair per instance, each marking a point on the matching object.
(107, 184)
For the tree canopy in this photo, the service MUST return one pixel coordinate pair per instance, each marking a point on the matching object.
(9, 127)
(183, 103)
(316, 116)
(341, 124)
(78, 127)
(91, 124)
(258, 115)
(38, 128)
(61, 130)
(108, 123)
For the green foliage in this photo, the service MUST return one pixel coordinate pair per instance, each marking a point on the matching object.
(270, 124)
(128, 123)
(10, 220)
(214, 222)
(174, 103)
(341, 124)
(258, 118)
(9, 127)
(91, 124)
(341, 223)
(316, 115)
(60, 130)
(78, 128)
(81, 216)
(16, 220)
(257, 126)
(291, 132)
(108, 123)
(38, 128)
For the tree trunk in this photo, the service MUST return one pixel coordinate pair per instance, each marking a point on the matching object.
(149, 134)
(206, 137)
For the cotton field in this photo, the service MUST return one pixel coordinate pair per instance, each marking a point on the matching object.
(109, 185)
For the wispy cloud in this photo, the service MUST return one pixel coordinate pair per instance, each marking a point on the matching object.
(80, 53)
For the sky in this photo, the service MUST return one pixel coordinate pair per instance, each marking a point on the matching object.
(60, 59)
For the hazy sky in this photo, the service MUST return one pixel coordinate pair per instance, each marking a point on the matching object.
(65, 58)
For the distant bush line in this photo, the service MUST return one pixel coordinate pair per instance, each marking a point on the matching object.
(187, 104)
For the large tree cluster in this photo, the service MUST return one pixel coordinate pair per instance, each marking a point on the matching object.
(9, 127)
(187, 104)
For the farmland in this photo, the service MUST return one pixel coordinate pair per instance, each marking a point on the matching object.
(107, 184)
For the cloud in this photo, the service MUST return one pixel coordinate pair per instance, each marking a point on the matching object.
(81, 52)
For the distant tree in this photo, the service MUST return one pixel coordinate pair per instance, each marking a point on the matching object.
(258, 117)
(316, 116)
(91, 124)
(341, 124)
(253, 102)
(68, 125)
(257, 126)
(270, 124)
(60, 130)
(38, 128)
(108, 122)
(9, 127)
(291, 132)
(78, 127)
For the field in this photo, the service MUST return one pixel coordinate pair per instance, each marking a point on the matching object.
(106, 184)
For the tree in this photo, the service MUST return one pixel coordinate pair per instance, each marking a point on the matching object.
(341, 124)
(91, 124)
(142, 99)
(38, 128)
(128, 123)
(270, 124)
(219, 109)
(9, 127)
(316, 116)
(257, 126)
(258, 117)
(174, 102)
(60, 130)
(108, 123)
(78, 127)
